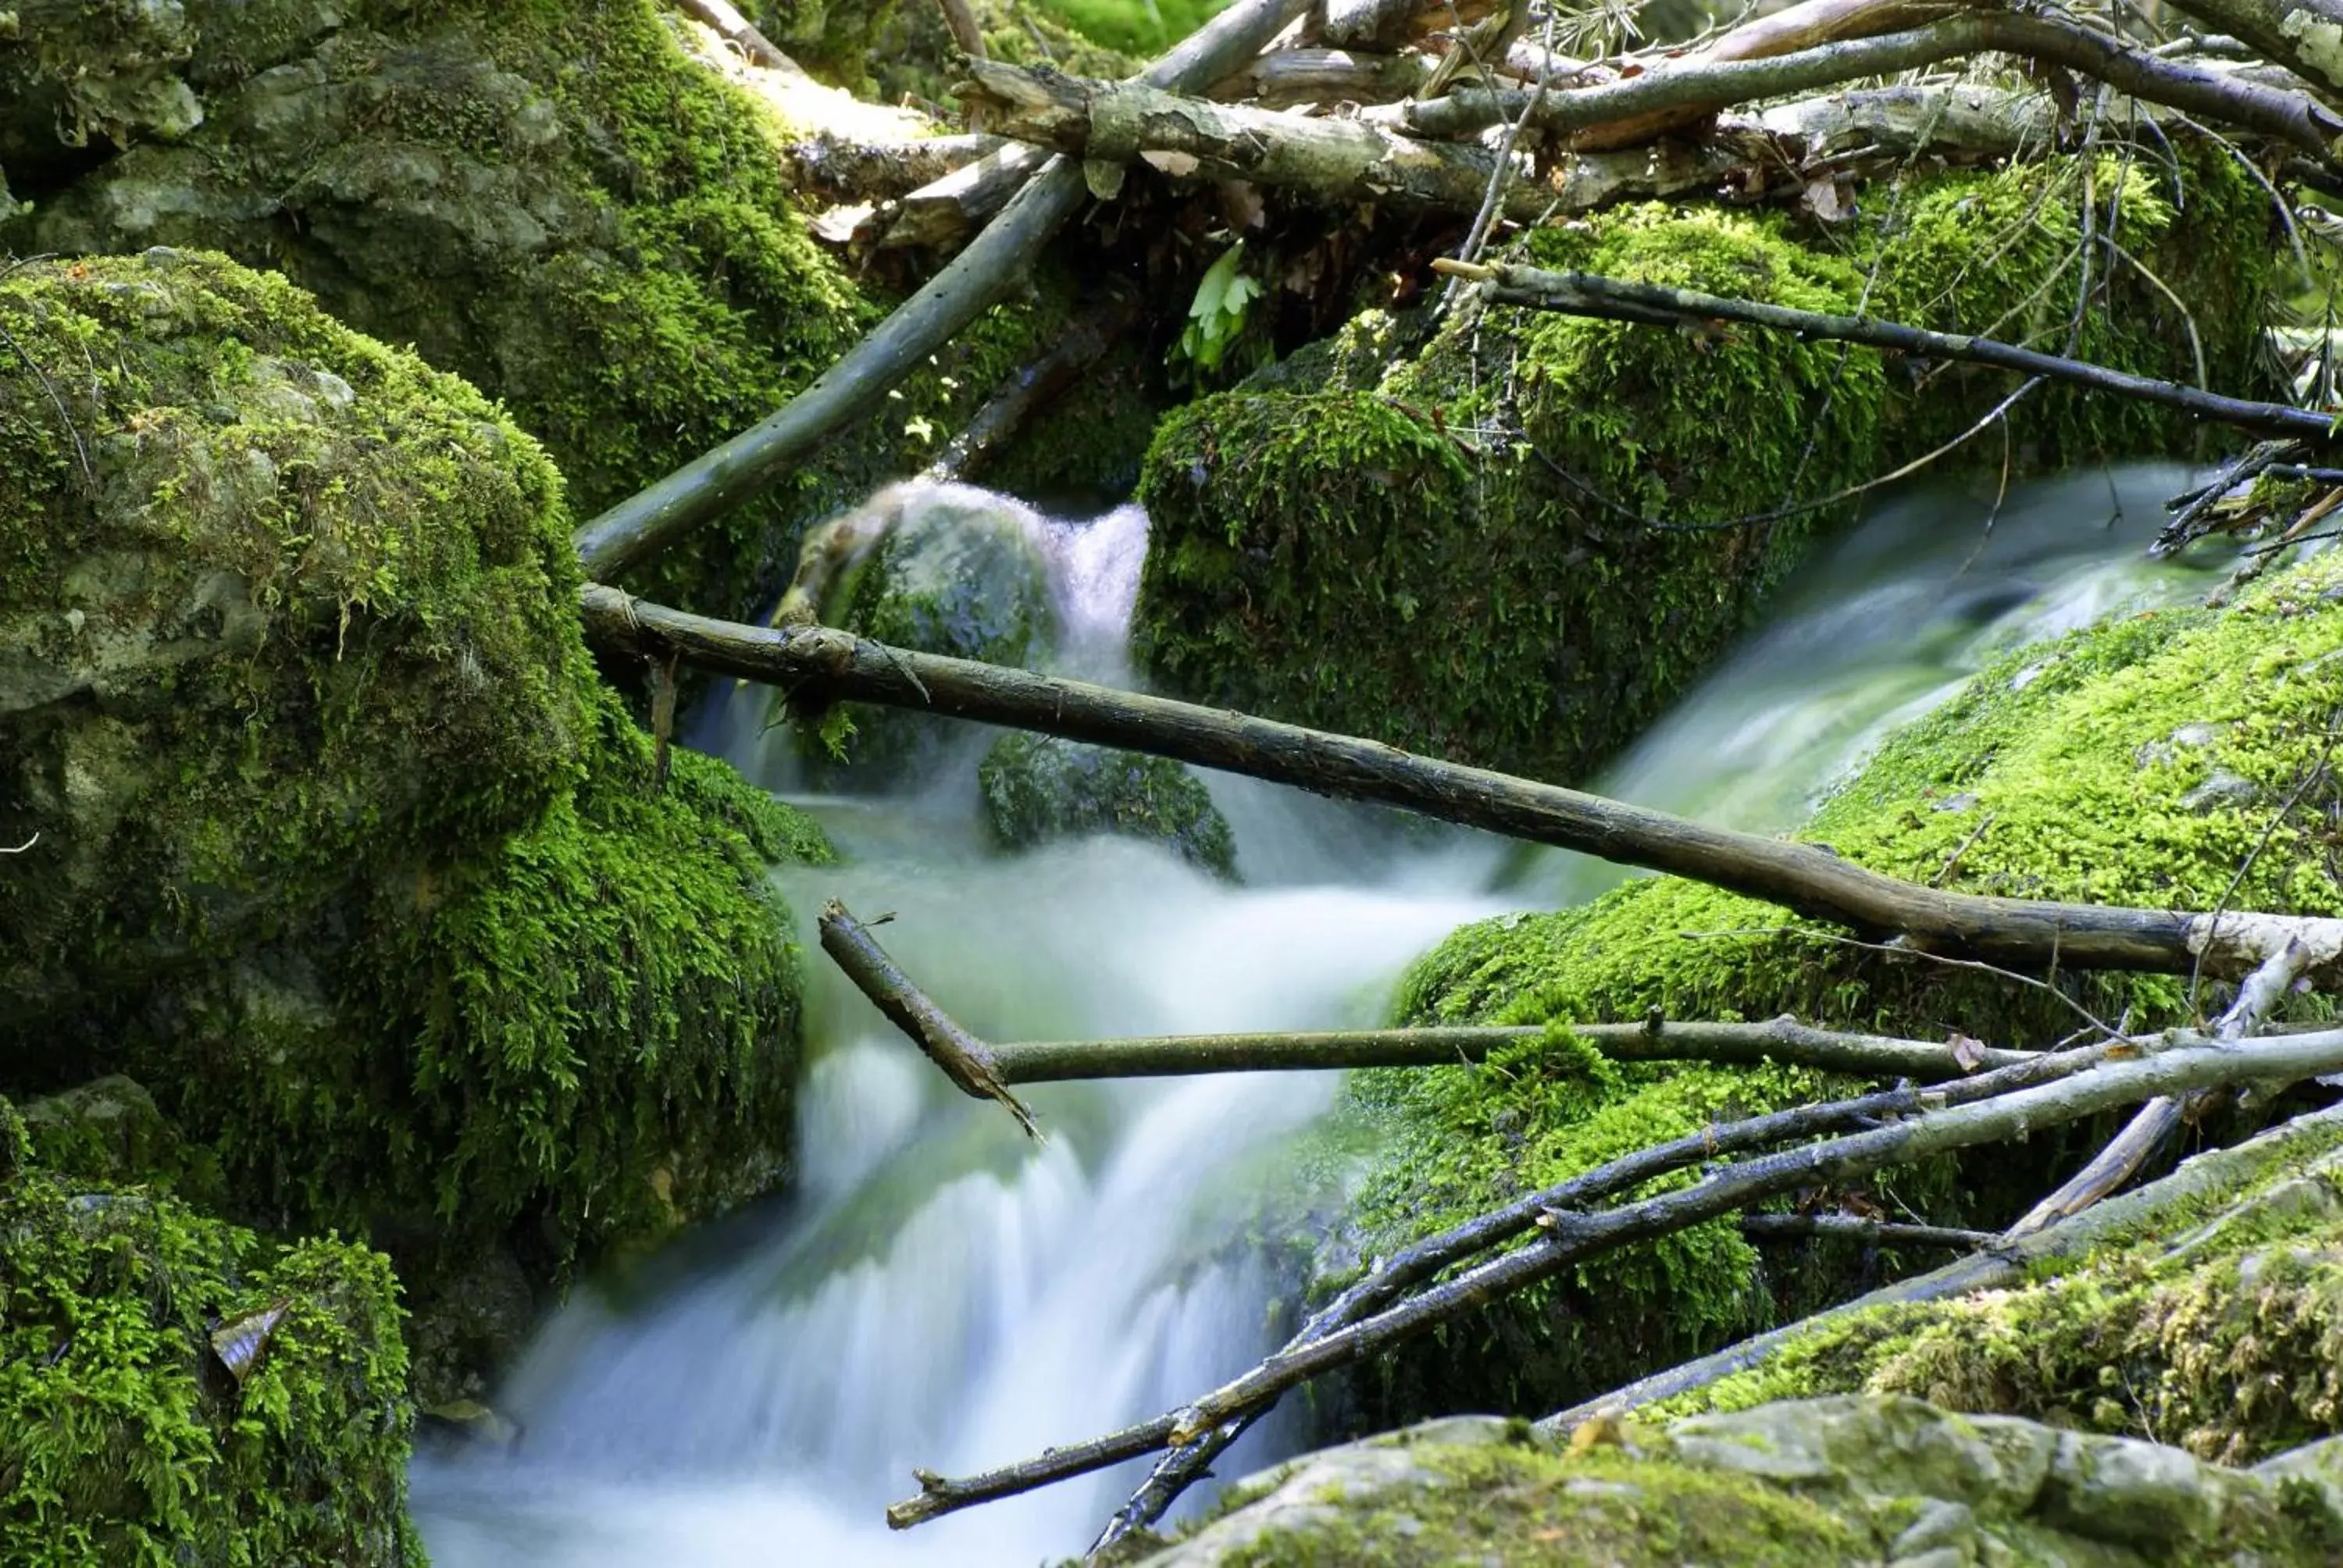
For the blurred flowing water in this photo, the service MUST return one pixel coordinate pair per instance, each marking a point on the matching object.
(939, 1293)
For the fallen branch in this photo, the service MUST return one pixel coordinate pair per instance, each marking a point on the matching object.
(1284, 78)
(741, 33)
(1570, 1237)
(997, 262)
(961, 23)
(2291, 1145)
(1785, 1039)
(2299, 34)
(827, 664)
(962, 1057)
(2148, 1133)
(940, 212)
(1081, 345)
(1428, 1257)
(23, 846)
(1335, 160)
(1618, 299)
(1855, 1228)
(1678, 92)
(877, 171)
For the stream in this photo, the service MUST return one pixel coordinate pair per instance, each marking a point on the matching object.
(939, 1293)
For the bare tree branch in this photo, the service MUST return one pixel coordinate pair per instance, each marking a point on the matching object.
(1619, 299)
(964, 1059)
(2146, 1134)
(857, 384)
(823, 662)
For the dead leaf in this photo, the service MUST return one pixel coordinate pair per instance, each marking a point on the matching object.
(1179, 166)
(1604, 1426)
(1968, 1050)
(1823, 199)
(840, 225)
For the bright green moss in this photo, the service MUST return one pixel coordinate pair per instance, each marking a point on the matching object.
(607, 245)
(125, 1440)
(2073, 771)
(1422, 562)
(358, 867)
(1518, 1505)
(2223, 1340)
(1503, 547)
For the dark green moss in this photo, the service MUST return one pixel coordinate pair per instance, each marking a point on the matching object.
(605, 244)
(1037, 787)
(342, 849)
(123, 1436)
(2081, 758)
(1517, 544)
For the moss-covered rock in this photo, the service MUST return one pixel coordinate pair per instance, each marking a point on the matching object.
(1514, 543)
(2216, 1325)
(1820, 1481)
(124, 1437)
(954, 570)
(1038, 788)
(339, 846)
(2070, 771)
(606, 244)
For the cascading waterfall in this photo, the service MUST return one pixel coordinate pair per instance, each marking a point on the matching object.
(939, 1293)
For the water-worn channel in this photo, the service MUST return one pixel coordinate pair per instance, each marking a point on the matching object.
(940, 1293)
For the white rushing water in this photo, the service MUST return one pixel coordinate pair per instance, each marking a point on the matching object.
(939, 1293)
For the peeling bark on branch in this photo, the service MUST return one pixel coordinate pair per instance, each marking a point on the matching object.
(1619, 299)
(2306, 36)
(1677, 95)
(834, 665)
(1335, 160)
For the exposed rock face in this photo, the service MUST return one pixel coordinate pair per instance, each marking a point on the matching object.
(338, 844)
(1038, 788)
(1843, 1479)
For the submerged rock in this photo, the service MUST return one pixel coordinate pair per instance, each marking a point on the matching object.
(953, 570)
(338, 844)
(1038, 788)
(1845, 1479)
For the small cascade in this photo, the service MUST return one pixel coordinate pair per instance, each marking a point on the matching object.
(940, 1292)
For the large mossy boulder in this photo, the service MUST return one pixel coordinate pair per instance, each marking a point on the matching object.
(1514, 540)
(1039, 788)
(336, 843)
(2074, 769)
(579, 207)
(177, 1390)
(1862, 1480)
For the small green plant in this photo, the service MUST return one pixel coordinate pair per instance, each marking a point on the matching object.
(1216, 319)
